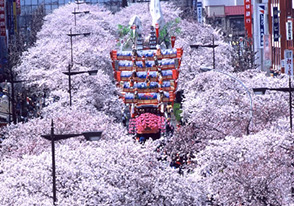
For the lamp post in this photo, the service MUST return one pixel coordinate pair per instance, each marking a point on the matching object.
(213, 45)
(71, 45)
(78, 12)
(90, 136)
(243, 85)
(289, 89)
(70, 73)
(79, 2)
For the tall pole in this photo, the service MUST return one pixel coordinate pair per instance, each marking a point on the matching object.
(75, 16)
(69, 84)
(12, 99)
(71, 49)
(53, 162)
(213, 53)
(69, 68)
(290, 103)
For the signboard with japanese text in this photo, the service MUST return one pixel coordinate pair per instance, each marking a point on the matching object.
(199, 12)
(289, 30)
(261, 9)
(2, 19)
(10, 17)
(248, 17)
(195, 9)
(267, 50)
(288, 62)
(276, 24)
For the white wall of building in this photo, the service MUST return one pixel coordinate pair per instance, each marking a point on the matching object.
(239, 2)
(219, 2)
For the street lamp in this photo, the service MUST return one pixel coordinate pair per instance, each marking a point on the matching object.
(90, 136)
(70, 73)
(78, 12)
(213, 45)
(72, 35)
(79, 2)
(205, 69)
(289, 89)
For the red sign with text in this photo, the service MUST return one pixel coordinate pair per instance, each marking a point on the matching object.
(2, 19)
(248, 17)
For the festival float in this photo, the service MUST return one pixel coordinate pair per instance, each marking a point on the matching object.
(146, 73)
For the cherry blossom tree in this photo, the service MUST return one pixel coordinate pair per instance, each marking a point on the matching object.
(117, 171)
(253, 170)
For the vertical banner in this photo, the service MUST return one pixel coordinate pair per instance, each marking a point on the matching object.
(289, 30)
(2, 19)
(10, 17)
(14, 17)
(199, 12)
(248, 17)
(267, 53)
(18, 7)
(288, 62)
(195, 9)
(276, 24)
(261, 9)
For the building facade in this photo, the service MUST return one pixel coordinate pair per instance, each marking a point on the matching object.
(281, 15)
(17, 21)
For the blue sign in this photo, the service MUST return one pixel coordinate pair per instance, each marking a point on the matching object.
(199, 12)
(261, 9)
(276, 24)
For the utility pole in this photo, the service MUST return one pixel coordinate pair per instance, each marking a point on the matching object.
(213, 52)
(69, 73)
(53, 163)
(290, 102)
(213, 45)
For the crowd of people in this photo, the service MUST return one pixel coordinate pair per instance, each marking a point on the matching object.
(22, 107)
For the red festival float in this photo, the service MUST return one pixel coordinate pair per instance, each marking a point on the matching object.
(147, 76)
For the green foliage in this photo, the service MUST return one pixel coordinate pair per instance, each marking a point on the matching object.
(177, 111)
(123, 30)
(171, 28)
(125, 34)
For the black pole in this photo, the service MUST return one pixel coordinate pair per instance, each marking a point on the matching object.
(69, 68)
(13, 100)
(9, 105)
(10, 94)
(75, 17)
(53, 162)
(290, 103)
(69, 84)
(213, 52)
(71, 49)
